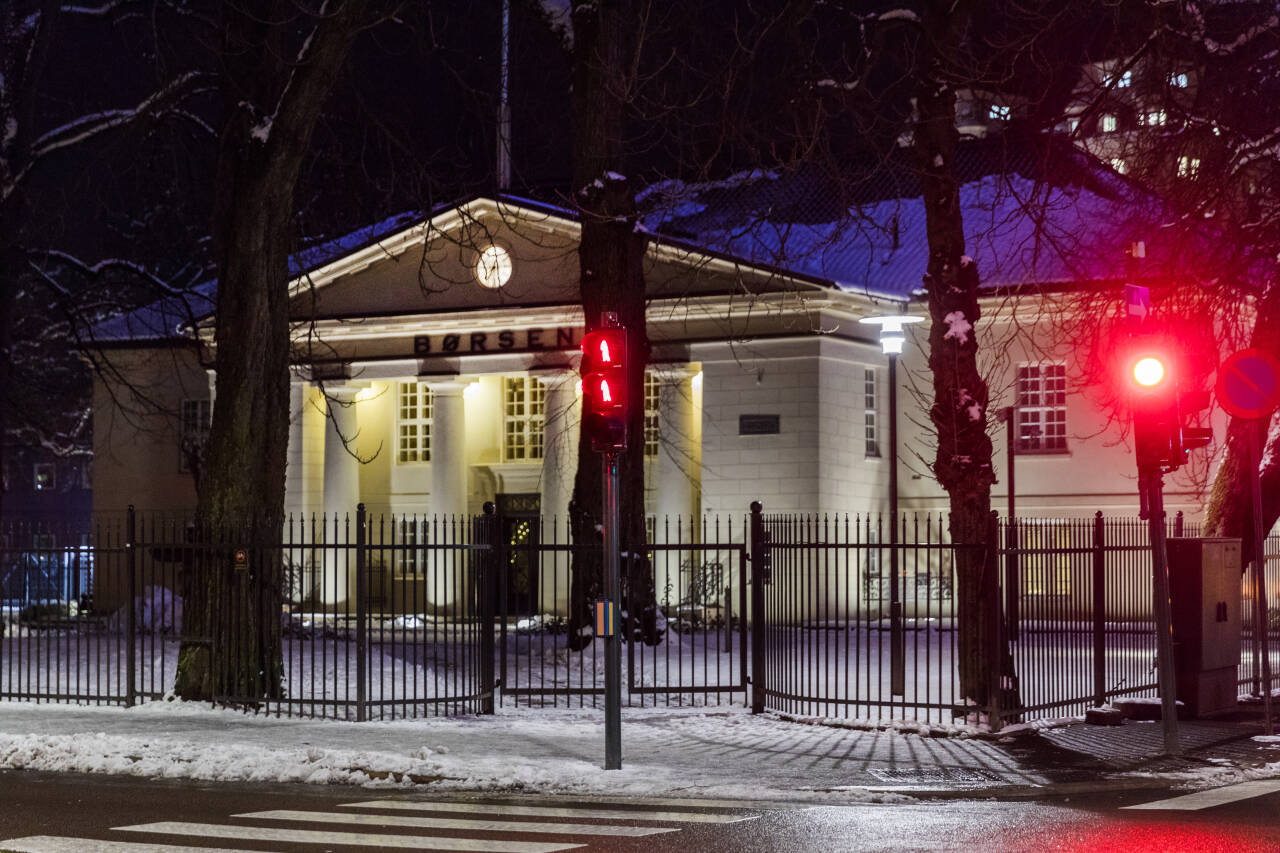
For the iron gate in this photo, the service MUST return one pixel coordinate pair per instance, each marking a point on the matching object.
(683, 617)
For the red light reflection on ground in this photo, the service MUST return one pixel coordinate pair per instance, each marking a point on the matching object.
(1162, 836)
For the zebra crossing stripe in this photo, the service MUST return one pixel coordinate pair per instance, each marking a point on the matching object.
(477, 825)
(353, 839)
(1214, 797)
(548, 811)
(60, 844)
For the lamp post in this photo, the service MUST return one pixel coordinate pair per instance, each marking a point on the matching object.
(892, 337)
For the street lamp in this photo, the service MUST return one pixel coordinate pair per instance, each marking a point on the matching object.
(892, 337)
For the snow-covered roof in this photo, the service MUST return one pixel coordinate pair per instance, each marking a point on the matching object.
(1030, 219)
(169, 317)
(1048, 217)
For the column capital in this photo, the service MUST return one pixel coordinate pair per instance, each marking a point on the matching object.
(445, 386)
(556, 377)
(673, 371)
(341, 391)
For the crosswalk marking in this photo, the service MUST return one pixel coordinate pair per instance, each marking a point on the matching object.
(354, 839)
(459, 823)
(60, 844)
(695, 802)
(1214, 797)
(548, 811)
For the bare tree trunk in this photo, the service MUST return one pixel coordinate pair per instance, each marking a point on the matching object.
(610, 256)
(959, 412)
(231, 630)
(1230, 510)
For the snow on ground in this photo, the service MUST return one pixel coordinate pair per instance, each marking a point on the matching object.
(670, 753)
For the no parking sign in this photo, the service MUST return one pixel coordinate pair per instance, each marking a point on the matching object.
(1249, 383)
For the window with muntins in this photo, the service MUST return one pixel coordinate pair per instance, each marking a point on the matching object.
(194, 432)
(524, 412)
(870, 412)
(651, 397)
(1042, 408)
(413, 423)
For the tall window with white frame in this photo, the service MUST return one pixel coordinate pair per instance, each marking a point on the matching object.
(870, 411)
(1042, 408)
(193, 433)
(524, 412)
(652, 438)
(413, 423)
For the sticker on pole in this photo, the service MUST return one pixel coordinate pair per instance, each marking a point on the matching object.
(1249, 383)
(240, 560)
(606, 618)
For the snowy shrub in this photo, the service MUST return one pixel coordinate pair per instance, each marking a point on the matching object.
(158, 610)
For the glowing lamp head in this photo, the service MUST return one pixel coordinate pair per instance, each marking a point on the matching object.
(1148, 371)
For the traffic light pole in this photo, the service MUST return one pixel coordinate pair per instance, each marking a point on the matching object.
(1152, 483)
(1261, 630)
(612, 643)
(897, 645)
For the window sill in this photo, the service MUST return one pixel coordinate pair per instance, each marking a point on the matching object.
(1050, 451)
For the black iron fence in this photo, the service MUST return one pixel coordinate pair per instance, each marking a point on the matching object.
(404, 616)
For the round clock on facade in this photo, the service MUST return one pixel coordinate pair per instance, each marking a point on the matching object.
(493, 267)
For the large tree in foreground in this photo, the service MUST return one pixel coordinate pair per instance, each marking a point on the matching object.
(279, 60)
(610, 258)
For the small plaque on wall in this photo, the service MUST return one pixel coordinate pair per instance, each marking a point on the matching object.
(759, 424)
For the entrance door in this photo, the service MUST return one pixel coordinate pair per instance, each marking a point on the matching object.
(518, 515)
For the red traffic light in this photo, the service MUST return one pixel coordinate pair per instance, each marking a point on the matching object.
(1148, 371)
(605, 409)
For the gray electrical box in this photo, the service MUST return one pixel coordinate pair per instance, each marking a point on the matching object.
(1204, 590)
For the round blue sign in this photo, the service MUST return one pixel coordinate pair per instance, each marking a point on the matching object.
(1249, 383)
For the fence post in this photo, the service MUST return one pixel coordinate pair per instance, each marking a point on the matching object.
(1177, 525)
(1012, 579)
(995, 651)
(757, 608)
(362, 616)
(489, 532)
(1099, 611)
(130, 617)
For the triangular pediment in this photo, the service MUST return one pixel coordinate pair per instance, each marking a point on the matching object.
(434, 266)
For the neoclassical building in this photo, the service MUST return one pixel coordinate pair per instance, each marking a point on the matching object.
(436, 360)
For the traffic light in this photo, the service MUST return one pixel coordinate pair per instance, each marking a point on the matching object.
(605, 401)
(1160, 410)
(1154, 412)
(1190, 403)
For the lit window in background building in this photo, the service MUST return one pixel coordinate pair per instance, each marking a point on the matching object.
(524, 412)
(870, 412)
(1188, 167)
(1108, 123)
(413, 423)
(1042, 407)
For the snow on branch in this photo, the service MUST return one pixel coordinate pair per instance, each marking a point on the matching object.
(98, 11)
(98, 268)
(1219, 49)
(91, 125)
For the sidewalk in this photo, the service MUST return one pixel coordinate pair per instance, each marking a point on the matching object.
(716, 753)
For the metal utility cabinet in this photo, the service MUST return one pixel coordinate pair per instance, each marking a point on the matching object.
(1204, 588)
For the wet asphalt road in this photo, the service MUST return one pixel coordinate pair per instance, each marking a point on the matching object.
(93, 807)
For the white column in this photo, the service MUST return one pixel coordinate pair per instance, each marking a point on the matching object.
(559, 465)
(448, 448)
(341, 491)
(560, 442)
(448, 478)
(676, 453)
(672, 474)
